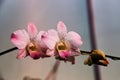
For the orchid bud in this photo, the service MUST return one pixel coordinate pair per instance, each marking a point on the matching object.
(96, 57)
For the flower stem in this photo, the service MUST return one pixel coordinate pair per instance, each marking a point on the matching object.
(82, 52)
(113, 57)
(7, 51)
(85, 52)
(108, 56)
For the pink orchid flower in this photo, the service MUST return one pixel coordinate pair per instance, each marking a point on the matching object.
(29, 43)
(64, 45)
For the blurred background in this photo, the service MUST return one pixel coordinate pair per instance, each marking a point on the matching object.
(45, 14)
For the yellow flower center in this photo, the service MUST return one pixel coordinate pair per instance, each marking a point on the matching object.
(32, 47)
(62, 46)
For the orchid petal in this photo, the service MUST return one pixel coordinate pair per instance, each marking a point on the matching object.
(35, 54)
(21, 54)
(62, 30)
(65, 54)
(48, 40)
(20, 38)
(40, 41)
(32, 30)
(74, 38)
(54, 33)
(39, 36)
(75, 52)
(50, 52)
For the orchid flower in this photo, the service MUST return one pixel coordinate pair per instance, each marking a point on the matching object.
(96, 57)
(29, 43)
(64, 45)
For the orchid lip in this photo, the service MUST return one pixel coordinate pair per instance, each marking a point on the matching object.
(62, 45)
(63, 49)
(33, 49)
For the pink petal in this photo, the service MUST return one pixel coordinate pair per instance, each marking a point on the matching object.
(48, 40)
(39, 39)
(50, 52)
(36, 54)
(54, 33)
(65, 54)
(75, 52)
(21, 54)
(32, 30)
(62, 30)
(20, 38)
(39, 36)
(75, 39)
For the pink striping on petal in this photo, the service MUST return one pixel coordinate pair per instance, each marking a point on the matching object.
(32, 30)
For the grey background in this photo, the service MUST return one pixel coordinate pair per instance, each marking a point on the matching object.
(16, 14)
(107, 23)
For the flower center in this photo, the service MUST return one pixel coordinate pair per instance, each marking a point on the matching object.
(32, 47)
(62, 46)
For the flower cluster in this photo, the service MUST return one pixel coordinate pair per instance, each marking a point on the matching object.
(40, 44)
(59, 43)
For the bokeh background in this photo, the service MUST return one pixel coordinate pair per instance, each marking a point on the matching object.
(107, 24)
(45, 14)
